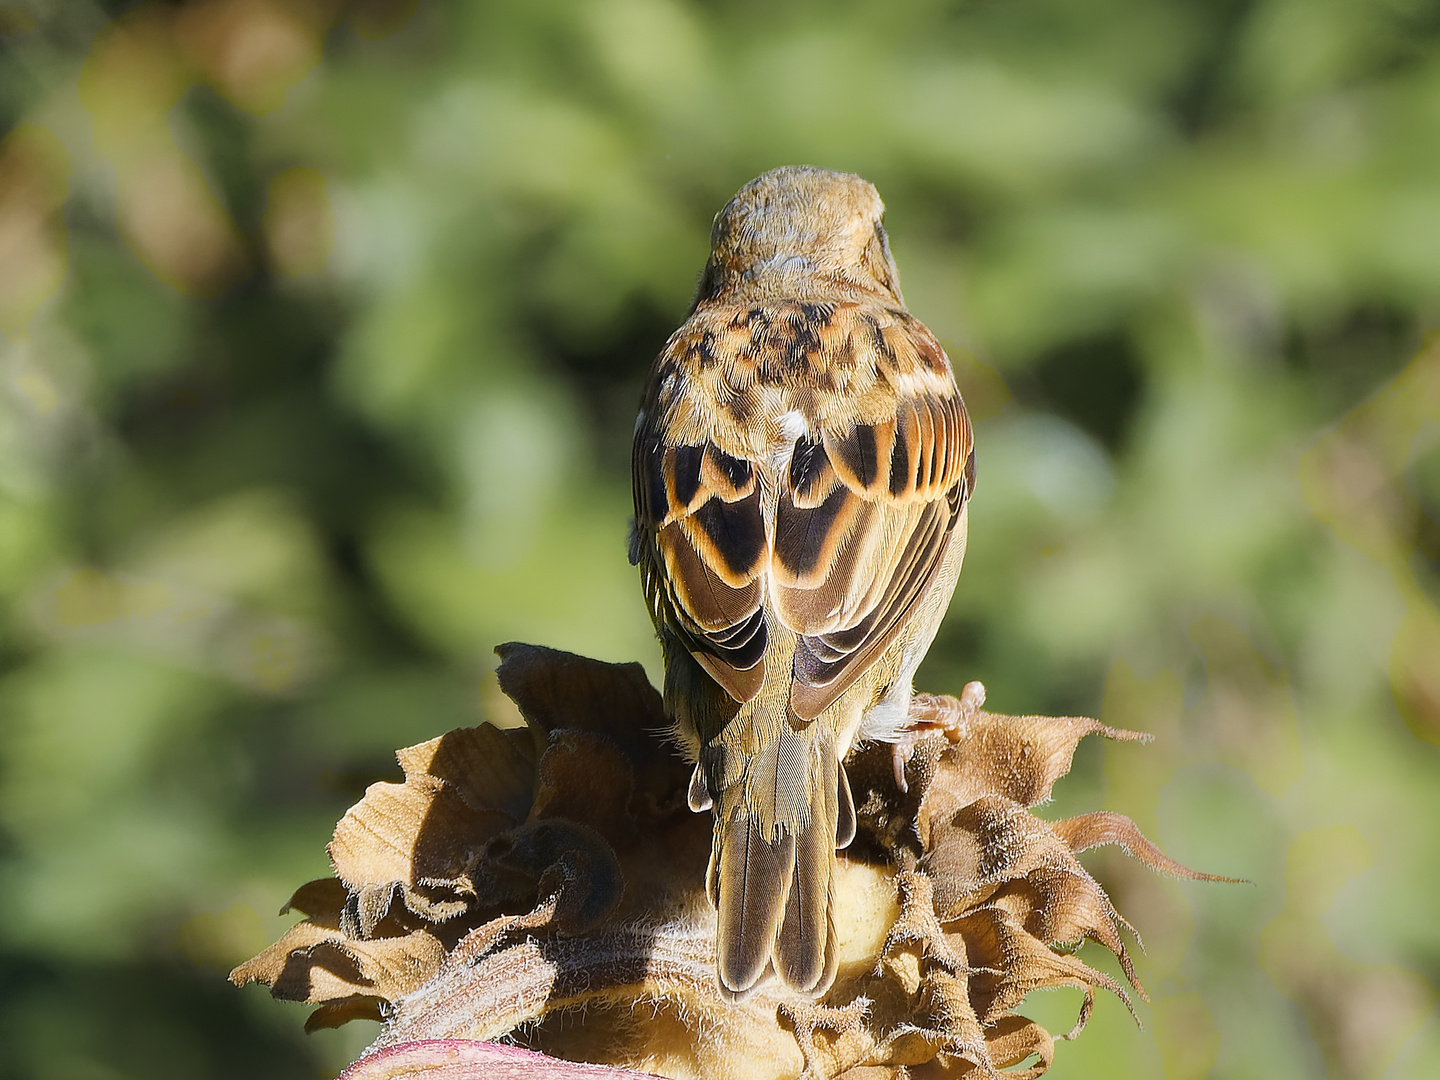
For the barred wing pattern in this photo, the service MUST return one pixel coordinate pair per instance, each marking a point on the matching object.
(824, 491)
(700, 509)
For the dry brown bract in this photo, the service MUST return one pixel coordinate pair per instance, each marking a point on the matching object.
(518, 878)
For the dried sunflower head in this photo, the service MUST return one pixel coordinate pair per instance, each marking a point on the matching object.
(546, 885)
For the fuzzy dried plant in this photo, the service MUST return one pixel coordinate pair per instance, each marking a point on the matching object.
(545, 886)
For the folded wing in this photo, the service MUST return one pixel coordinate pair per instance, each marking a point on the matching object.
(862, 528)
(864, 510)
(702, 507)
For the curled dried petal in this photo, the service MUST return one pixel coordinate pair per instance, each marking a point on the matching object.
(318, 964)
(1011, 962)
(1107, 827)
(488, 768)
(419, 833)
(1018, 758)
(555, 690)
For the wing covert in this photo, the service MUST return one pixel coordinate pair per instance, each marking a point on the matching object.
(844, 427)
(865, 523)
(701, 507)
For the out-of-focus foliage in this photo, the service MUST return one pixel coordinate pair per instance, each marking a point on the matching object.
(323, 326)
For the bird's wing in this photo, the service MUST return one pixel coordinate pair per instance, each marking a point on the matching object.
(867, 508)
(703, 551)
(865, 501)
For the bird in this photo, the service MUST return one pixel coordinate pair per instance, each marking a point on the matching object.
(802, 465)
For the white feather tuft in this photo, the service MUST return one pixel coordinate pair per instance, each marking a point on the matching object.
(889, 720)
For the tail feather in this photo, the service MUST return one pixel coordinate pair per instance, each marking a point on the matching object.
(845, 826)
(698, 795)
(806, 942)
(753, 880)
(772, 866)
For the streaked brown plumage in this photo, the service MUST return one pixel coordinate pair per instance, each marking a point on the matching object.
(802, 462)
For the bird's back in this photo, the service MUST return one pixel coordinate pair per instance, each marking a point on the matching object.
(801, 465)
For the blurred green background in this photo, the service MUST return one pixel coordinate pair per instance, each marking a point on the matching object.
(323, 329)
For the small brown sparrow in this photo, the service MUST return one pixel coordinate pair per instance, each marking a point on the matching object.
(802, 463)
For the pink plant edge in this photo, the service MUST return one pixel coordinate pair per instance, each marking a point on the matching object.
(465, 1059)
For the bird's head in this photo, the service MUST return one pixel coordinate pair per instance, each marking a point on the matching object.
(800, 232)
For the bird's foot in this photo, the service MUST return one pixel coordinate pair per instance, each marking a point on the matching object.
(936, 712)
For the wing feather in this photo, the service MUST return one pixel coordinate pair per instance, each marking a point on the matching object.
(700, 509)
(860, 505)
(900, 483)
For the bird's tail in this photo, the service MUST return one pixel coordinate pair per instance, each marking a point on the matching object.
(773, 861)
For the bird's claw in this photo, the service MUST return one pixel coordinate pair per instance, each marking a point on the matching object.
(935, 712)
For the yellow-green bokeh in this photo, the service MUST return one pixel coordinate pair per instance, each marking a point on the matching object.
(322, 326)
